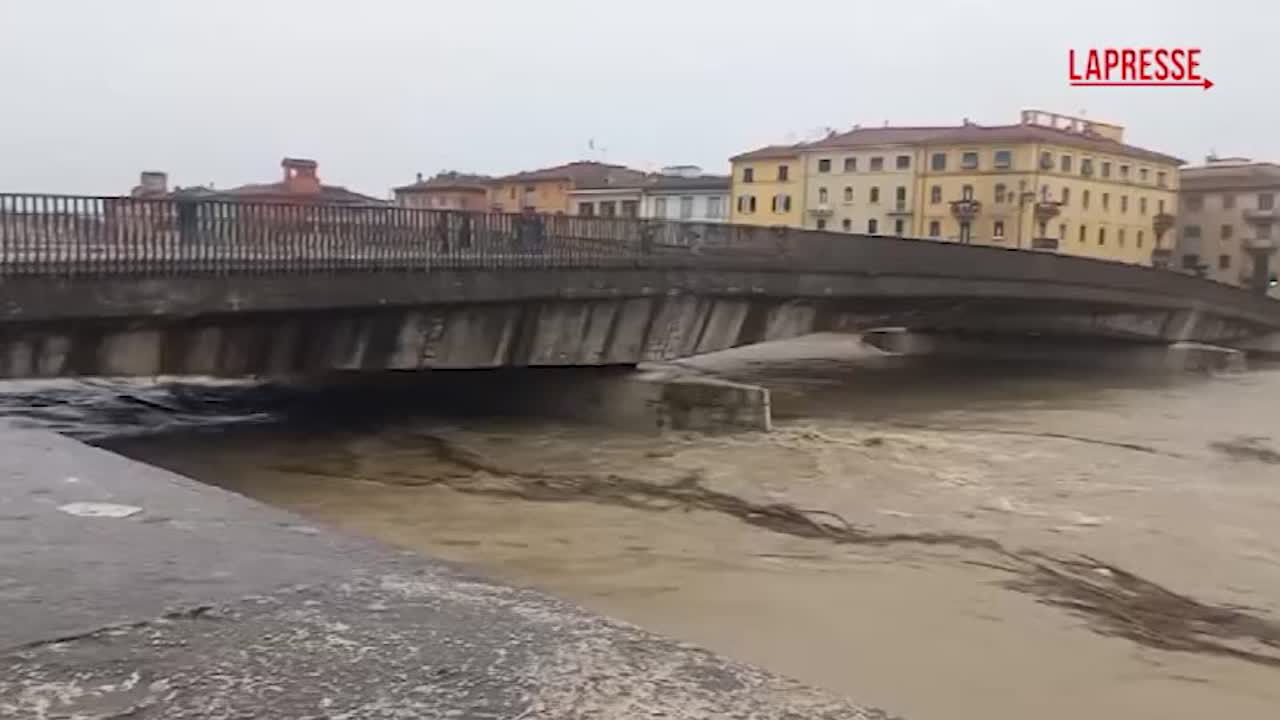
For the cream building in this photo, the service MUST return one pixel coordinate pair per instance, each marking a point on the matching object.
(1227, 221)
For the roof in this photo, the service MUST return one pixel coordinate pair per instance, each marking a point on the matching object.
(987, 134)
(658, 182)
(771, 151)
(862, 137)
(1242, 176)
(448, 181)
(278, 192)
(581, 174)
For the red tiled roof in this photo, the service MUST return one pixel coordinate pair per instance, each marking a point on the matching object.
(1040, 133)
(578, 173)
(770, 151)
(279, 192)
(449, 181)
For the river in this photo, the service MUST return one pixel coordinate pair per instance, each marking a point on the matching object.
(946, 541)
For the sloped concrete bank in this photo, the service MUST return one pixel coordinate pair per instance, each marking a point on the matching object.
(129, 591)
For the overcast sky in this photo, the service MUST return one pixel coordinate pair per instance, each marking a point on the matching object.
(218, 91)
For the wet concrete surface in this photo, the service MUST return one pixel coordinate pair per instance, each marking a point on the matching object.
(207, 604)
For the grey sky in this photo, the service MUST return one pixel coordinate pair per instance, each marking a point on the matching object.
(95, 91)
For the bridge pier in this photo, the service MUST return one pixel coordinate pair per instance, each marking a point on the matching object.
(1109, 355)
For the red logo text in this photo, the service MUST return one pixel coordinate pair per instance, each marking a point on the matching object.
(1136, 67)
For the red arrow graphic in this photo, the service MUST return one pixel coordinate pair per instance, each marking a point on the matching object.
(1205, 83)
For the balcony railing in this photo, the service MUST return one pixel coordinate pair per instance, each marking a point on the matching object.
(1255, 215)
(1044, 243)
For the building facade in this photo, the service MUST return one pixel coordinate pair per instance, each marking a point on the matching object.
(863, 180)
(1227, 222)
(1051, 182)
(768, 186)
(446, 191)
(681, 193)
(549, 190)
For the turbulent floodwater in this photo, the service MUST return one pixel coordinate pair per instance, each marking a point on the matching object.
(960, 541)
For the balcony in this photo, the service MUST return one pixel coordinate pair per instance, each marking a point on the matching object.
(1260, 245)
(822, 210)
(1044, 243)
(1259, 216)
(901, 208)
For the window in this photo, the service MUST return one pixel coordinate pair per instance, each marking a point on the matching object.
(969, 161)
(1143, 174)
(935, 228)
(1046, 160)
(1084, 199)
(1066, 163)
(586, 209)
(1191, 232)
(1142, 206)
(746, 205)
(1106, 201)
(715, 206)
(1000, 192)
(781, 203)
(846, 224)
(875, 194)
(873, 226)
(851, 164)
(748, 175)
(1106, 169)
(935, 194)
(997, 230)
(631, 208)
(1140, 238)
(898, 227)
(1266, 201)
(1228, 201)
(824, 165)
(1124, 172)
(1083, 233)
(1003, 159)
(1190, 261)
(848, 193)
(1264, 232)
(1124, 203)
(966, 192)
(1194, 203)
(902, 162)
(1102, 236)
(1224, 262)
(782, 173)
(1160, 207)
(1120, 237)
(608, 208)
(877, 164)
(822, 195)
(686, 207)
(938, 161)
(1066, 196)
(1086, 167)
(1162, 179)
(513, 192)
(822, 224)
(1227, 231)
(900, 198)
(1062, 232)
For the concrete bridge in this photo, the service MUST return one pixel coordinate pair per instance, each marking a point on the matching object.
(127, 286)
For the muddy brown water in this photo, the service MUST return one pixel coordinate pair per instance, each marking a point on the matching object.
(963, 541)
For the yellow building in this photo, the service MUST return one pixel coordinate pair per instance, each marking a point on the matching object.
(548, 190)
(1051, 182)
(768, 187)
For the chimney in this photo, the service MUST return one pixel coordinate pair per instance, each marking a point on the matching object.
(419, 177)
(300, 176)
(153, 182)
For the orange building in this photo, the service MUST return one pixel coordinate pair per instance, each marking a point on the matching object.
(446, 191)
(547, 190)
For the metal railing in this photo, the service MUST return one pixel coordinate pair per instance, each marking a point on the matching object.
(72, 235)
